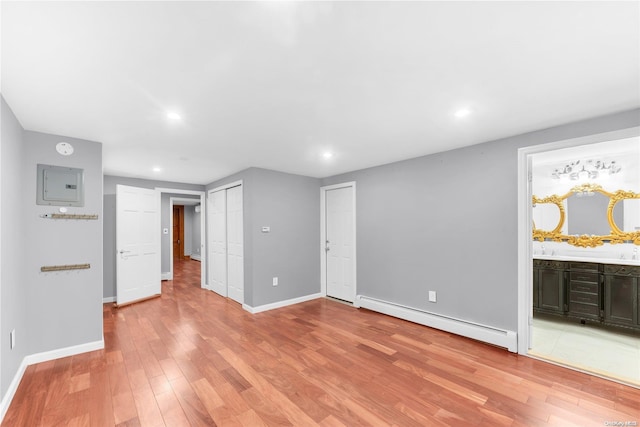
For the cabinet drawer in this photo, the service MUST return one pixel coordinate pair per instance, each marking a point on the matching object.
(622, 270)
(585, 298)
(584, 309)
(583, 276)
(546, 263)
(584, 266)
(583, 287)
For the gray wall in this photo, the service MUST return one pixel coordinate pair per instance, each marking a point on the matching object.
(290, 205)
(188, 229)
(196, 238)
(448, 222)
(64, 308)
(110, 183)
(13, 286)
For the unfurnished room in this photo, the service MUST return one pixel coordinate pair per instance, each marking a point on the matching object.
(320, 213)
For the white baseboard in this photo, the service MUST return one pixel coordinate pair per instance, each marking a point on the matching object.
(106, 300)
(195, 257)
(39, 358)
(64, 352)
(11, 391)
(167, 276)
(280, 304)
(484, 333)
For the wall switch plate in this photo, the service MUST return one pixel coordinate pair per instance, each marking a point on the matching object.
(275, 281)
(432, 296)
(13, 338)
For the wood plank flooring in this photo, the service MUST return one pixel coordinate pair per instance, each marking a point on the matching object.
(192, 358)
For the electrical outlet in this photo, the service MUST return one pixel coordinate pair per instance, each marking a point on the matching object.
(275, 281)
(432, 296)
(13, 338)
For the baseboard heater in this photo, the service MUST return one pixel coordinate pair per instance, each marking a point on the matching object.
(484, 333)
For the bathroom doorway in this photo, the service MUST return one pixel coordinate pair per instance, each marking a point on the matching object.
(553, 334)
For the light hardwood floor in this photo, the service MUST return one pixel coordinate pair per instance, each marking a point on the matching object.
(194, 358)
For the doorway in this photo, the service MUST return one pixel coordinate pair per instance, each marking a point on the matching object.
(550, 331)
(338, 241)
(194, 214)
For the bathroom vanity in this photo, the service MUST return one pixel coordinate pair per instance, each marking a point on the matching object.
(587, 267)
(607, 293)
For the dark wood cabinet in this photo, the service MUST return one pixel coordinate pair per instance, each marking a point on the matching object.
(584, 290)
(550, 287)
(621, 299)
(605, 293)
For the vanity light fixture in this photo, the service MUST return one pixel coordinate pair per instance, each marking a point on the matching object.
(590, 169)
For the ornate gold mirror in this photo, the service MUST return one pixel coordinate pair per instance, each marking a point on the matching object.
(596, 217)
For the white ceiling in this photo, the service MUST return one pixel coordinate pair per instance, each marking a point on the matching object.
(275, 84)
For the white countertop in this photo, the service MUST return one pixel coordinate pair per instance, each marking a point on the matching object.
(588, 259)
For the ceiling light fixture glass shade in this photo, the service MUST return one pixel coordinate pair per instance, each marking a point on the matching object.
(590, 169)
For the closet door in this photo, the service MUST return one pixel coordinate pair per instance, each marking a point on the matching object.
(226, 249)
(217, 213)
(235, 249)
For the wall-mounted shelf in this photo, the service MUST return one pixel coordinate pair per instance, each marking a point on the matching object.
(46, 268)
(70, 216)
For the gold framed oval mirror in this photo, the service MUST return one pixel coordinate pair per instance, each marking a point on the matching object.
(624, 216)
(590, 201)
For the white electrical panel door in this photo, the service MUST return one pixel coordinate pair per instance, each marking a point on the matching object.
(217, 213)
(138, 232)
(340, 243)
(235, 249)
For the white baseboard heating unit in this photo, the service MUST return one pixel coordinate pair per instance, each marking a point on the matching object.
(476, 331)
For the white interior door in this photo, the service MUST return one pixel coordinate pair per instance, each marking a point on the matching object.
(217, 211)
(340, 243)
(138, 231)
(235, 251)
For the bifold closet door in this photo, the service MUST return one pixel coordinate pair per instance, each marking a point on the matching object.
(217, 208)
(226, 250)
(235, 250)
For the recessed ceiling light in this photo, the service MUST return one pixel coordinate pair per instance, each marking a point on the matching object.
(327, 154)
(463, 112)
(157, 169)
(173, 115)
